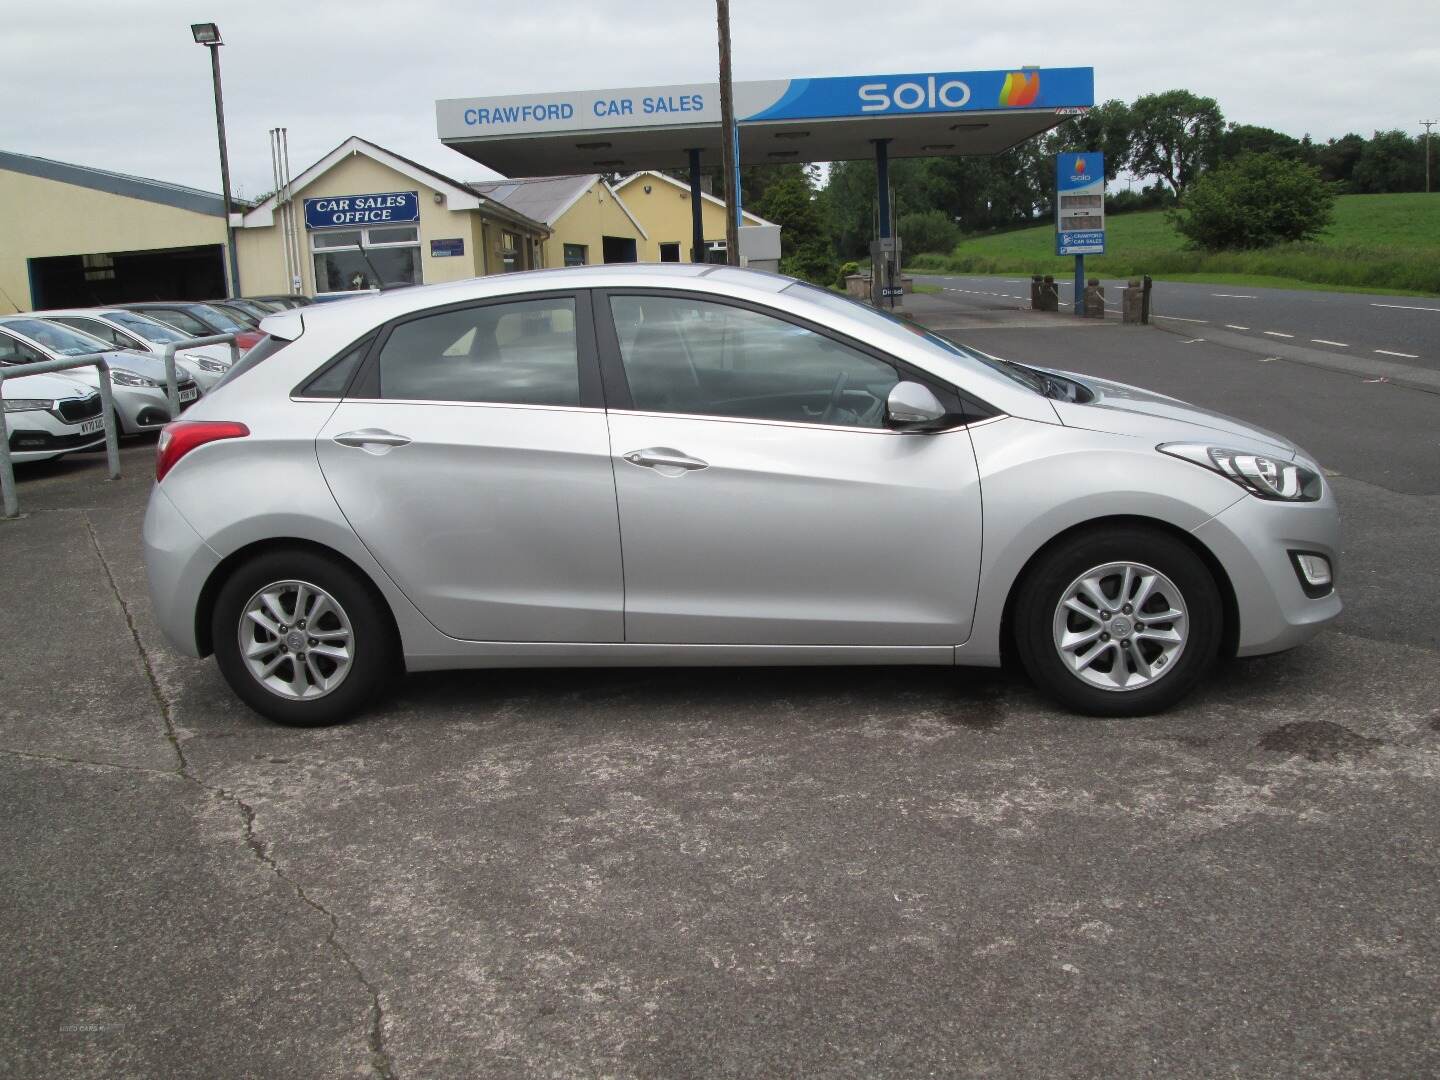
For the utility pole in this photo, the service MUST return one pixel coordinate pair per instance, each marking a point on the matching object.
(1427, 125)
(729, 145)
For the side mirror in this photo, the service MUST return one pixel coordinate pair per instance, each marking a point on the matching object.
(912, 404)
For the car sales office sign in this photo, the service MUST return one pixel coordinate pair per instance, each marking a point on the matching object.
(358, 211)
(1080, 204)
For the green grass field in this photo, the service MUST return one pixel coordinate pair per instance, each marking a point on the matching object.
(1377, 243)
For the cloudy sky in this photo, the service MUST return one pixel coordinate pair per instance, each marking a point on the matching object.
(122, 85)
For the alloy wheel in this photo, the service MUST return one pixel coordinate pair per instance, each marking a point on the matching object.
(296, 640)
(1120, 626)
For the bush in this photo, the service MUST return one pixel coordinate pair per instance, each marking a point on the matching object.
(931, 231)
(846, 269)
(1255, 201)
(812, 261)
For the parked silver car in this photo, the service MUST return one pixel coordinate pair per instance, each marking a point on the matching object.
(692, 465)
(138, 380)
(50, 415)
(122, 329)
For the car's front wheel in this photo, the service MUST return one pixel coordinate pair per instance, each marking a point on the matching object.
(1118, 621)
(302, 639)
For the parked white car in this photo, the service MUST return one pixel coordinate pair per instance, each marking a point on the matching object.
(138, 333)
(137, 379)
(48, 416)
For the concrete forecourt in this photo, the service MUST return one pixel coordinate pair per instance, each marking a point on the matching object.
(883, 872)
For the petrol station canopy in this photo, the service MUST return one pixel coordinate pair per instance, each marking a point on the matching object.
(930, 114)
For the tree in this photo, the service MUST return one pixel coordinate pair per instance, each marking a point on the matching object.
(1251, 139)
(927, 231)
(1338, 157)
(805, 250)
(1390, 161)
(1109, 128)
(1177, 136)
(1253, 202)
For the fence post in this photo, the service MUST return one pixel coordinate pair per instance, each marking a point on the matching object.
(107, 410)
(172, 387)
(7, 470)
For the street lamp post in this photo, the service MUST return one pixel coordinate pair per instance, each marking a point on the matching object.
(208, 34)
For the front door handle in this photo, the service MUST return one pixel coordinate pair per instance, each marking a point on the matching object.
(372, 439)
(664, 457)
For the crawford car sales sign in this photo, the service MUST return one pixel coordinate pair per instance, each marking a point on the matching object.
(352, 211)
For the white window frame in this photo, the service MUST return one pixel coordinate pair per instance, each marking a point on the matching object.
(365, 230)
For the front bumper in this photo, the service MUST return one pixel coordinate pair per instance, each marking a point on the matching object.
(1253, 540)
(39, 436)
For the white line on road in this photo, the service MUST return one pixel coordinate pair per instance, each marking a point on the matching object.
(1276, 333)
(1192, 341)
(1322, 341)
(1407, 307)
(1177, 318)
(1232, 296)
(1403, 355)
(1232, 326)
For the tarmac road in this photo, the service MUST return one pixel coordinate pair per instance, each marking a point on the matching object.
(1385, 328)
(828, 873)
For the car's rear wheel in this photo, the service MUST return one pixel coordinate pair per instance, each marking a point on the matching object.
(1118, 621)
(302, 639)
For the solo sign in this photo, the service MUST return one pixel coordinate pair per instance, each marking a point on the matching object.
(1080, 204)
(351, 211)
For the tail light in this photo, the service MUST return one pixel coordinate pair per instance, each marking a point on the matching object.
(180, 437)
(247, 339)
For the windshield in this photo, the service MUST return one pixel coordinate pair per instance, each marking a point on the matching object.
(57, 339)
(224, 324)
(149, 329)
(856, 309)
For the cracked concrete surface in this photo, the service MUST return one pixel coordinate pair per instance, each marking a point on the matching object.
(686, 873)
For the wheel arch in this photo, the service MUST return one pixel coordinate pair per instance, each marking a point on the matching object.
(210, 591)
(1230, 632)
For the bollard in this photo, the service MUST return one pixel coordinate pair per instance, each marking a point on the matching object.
(1035, 281)
(1131, 299)
(1145, 305)
(1094, 300)
(1049, 294)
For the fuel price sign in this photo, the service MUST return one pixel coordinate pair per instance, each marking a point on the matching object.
(1080, 204)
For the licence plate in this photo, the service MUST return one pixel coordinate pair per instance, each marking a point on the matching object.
(92, 425)
(189, 395)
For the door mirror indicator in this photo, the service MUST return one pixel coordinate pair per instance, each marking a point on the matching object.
(912, 404)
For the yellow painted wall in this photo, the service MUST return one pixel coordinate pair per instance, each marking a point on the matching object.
(594, 216)
(39, 218)
(664, 213)
(262, 253)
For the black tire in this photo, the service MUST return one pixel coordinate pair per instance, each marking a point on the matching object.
(1044, 586)
(374, 643)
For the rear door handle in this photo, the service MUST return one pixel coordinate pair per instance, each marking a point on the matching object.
(365, 438)
(664, 457)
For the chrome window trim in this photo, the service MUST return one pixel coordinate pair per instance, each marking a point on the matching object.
(799, 423)
(459, 404)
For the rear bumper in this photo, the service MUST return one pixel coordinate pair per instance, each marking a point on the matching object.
(177, 563)
(1253, 540)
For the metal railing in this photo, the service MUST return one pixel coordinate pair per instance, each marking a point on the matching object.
(172, 387)
(107, 411)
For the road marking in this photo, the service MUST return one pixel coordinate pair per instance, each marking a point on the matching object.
(1276, 333)
(1177, 318)
(1232, 326)
(1322, 341)
(1232, 296)
(1407, 307)
(1192, 341)
(1019, 281)
(1382, 379)
(1403, 355)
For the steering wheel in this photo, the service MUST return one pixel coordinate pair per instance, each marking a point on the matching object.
(836, 393)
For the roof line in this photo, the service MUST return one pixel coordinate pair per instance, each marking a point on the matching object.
(113, 183)
(704, 194)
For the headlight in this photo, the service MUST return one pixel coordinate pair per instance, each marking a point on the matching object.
(27, 404)
(204, 363)
(123, 377)
(1266, 477)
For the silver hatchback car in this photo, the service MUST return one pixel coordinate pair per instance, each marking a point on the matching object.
(700, 465)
